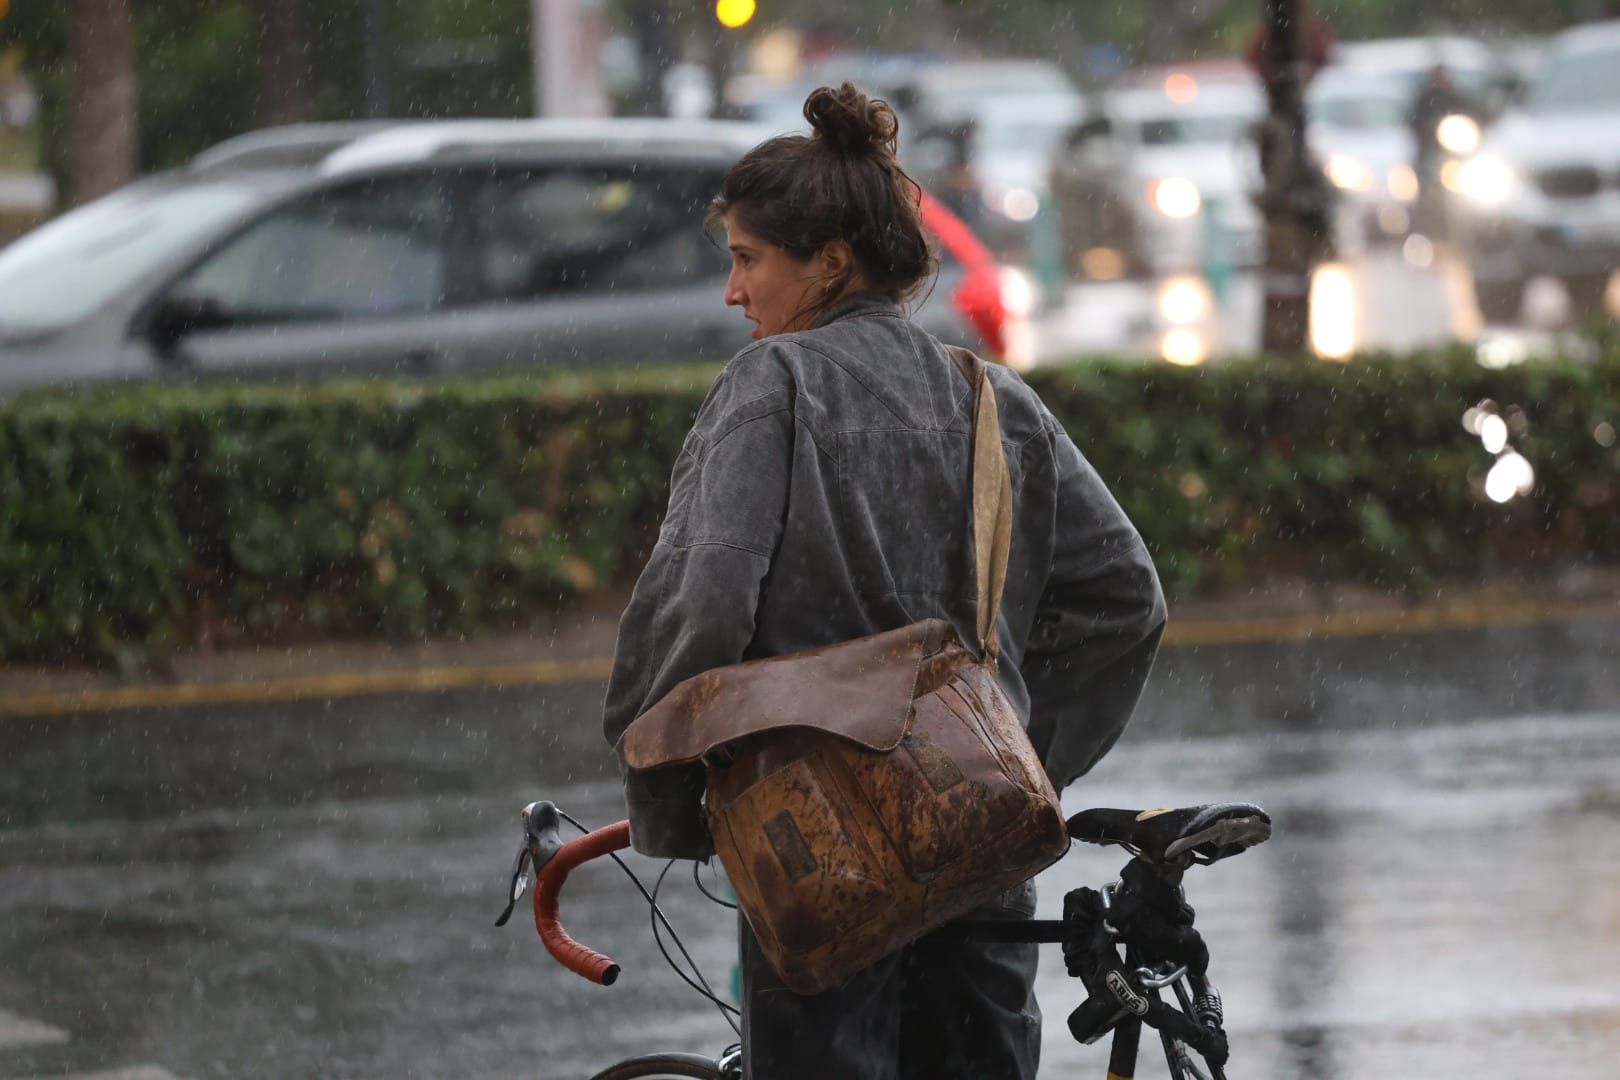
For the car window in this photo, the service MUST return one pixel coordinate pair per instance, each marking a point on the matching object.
(1042, 136)
(1582, 81)
(781, 115)
(63, 271)
(564, 231)
(1471, 84)
(1359, 113)
(371, 248)
(1179, 130)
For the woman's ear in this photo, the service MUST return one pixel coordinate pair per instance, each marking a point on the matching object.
(837, 261)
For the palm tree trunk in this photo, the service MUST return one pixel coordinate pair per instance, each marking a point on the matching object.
(284, 61)
(102, 130)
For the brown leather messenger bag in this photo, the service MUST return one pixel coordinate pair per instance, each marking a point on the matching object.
(865, 793)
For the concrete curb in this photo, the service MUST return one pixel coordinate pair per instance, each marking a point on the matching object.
(579, 648)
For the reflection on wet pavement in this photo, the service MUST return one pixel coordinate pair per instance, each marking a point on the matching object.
(281, 891)
(1431, 898)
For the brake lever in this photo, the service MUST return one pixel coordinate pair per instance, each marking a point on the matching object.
(520, 882)
(541, 842)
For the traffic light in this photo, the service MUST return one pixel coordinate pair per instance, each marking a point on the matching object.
(734, 14)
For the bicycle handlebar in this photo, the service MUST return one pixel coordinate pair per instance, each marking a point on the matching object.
(548, 883)
(1145, 911)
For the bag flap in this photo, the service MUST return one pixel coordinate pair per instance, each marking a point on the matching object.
(861, 690)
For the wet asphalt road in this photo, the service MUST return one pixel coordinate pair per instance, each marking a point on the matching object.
(276, 891)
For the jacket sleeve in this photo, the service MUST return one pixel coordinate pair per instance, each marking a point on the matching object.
(693, 606)
(1097, 626)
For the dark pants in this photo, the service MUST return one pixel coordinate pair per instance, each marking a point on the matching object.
(940, 1010)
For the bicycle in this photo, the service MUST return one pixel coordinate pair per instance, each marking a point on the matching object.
(1145, 913)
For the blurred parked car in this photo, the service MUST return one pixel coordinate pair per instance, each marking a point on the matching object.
(1452, 87)
(779, 104)
(1160, 179)
(1543, 194)
(990, 131)
(1359, 130)
(1480, 75)
(425, 247)
(1521, 61)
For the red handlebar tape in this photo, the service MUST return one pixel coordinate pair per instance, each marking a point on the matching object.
(548, 884)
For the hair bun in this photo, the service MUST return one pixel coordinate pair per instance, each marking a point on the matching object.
(850, 122)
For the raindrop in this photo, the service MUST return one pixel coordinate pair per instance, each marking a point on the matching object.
(1493, 432)
(1604, 433)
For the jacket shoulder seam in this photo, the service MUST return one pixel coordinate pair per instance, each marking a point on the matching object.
(1042, 430)
(711, 541)
(849, 372)
(712, 443)
(904, 431)
(815, 436)
(1136, 545)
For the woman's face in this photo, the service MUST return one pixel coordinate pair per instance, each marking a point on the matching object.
(778, 292)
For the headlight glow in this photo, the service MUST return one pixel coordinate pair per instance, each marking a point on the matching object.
(1020, 204)
(1332, 312)
(1349, 173)
(1175, 197)
(1402, 182)
(1102, 263)
(1183, 347)
(1181, 88)
(1458, 133)
(1018, 293)
(1451, 176)
(1510, 476)
(1184, 299)
(1487, 180)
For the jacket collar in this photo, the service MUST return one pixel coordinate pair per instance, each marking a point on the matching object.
(858, 304)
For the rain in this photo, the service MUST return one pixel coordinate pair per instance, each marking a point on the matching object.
(358, 356)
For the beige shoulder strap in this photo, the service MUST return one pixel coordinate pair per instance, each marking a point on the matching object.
(992, 502)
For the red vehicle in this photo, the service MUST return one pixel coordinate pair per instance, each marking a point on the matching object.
(991, 300)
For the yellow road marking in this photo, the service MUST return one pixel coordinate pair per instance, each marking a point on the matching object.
(1470, 616)
(1194, 632)
(303, 687)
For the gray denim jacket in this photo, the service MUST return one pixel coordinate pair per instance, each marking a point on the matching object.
(823, 494)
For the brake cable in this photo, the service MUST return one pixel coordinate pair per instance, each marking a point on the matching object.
(700, 984)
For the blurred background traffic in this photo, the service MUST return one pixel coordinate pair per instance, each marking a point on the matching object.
(242, 187)
(279, 657)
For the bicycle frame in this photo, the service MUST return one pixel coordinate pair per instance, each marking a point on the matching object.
(1126, 993)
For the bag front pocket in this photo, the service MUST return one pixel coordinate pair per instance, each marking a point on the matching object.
(790, 836)
(942, 794)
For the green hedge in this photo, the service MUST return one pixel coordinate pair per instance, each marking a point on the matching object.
(153, 518)
(1362, 471)
(163, 516)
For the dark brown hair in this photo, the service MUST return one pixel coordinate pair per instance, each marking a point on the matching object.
(842, 182)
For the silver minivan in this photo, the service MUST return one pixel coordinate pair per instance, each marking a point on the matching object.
(417, 247)
(1542, 197)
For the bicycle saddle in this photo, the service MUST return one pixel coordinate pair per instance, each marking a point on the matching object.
(1200, 834)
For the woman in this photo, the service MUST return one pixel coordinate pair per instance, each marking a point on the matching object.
(822, 495)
